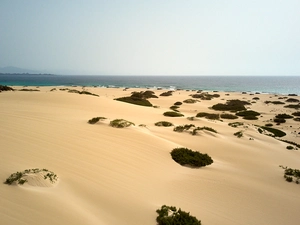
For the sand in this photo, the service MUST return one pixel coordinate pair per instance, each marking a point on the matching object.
(116, 176)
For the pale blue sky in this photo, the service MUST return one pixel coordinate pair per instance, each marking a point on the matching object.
(159, 37)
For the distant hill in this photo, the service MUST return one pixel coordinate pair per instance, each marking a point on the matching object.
(12, 69)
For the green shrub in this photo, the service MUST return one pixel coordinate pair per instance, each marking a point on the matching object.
(228, 116)
(211, 116)
(183, 128)
(235, 124)
(284, 116)
(194, 132)
(18, 177)
(239, 134)
(293, 106)
(269, 125)
(279, 120)
(247, 113)
(96, 120)
(172, 114)
(274, 102)
(135, 101)
(164, 124)
(169, 215)
(292, 100)
(290, 173)
(202, 114)
(174, 107)
(289, 147)
(5, 88)
(296, 113)
(178, 103)
(205, 96)
(231, 105)
(167, 93)
(275, 132)
(187, 157)
(190, 101)
(120, 123)
(143, 94)
(297, 119)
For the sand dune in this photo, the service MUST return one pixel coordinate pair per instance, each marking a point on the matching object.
(121, 176)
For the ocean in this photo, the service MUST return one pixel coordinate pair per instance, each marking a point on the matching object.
(262, 84)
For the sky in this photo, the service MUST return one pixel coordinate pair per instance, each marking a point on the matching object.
(152, 37)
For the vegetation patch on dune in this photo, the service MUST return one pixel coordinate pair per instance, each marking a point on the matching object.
(205, 96)
(96, 120)
(187, 127)
(5, 88)
(173, 114)
(231, 105)
(190, 101)
(169, 215)
(248, 114)
(120, 123)
(274, 102)
(167, 93)
(292, 100)
(235, 124)
(275, 132)
(290, 174)
(139, 98)
(20, 177)
(293, 106)
(27, 89)
(82, 92)
(164, 124)
(187, 157)
(210, 116)
(228, 116)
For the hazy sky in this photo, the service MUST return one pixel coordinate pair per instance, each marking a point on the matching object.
(145, 37)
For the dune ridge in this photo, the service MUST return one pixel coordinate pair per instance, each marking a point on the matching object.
(122, 175)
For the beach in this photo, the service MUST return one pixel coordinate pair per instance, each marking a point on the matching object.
(111, 176)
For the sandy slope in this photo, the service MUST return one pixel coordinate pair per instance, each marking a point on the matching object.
(121, 176)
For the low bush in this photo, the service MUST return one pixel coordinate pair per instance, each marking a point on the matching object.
(279, 120)
(231, 105)
(183, 127)
(178, 103)
(143, 94)
(172, 114)
(296, 113)
(5, 88)
(167, 93)
(269, 125)
(174, 108)
(194, 132)
(228, 116)
(274, 102)
(297, 119)
(96, 120)
(284, 116)
(190, 101)
(187, 157)
(289, 147)
(26, 89)
(135, 101)
(239, 134)
(20, 177)
(293, 106)
(211, 116)
(164, 124)
(202, 114)
(169, 215)
(120, 123)
(292, 100)
(247, 113)
(275, 132)
(291, 174)
(235, 124)
(205, 96)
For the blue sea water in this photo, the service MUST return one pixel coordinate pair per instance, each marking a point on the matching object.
(262, 84)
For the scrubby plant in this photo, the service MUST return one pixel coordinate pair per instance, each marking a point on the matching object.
(96, 120)
(228, 116)
(169, 215)
(239, 134)
(292, 100)
(135, 101)
(205, 96)
(172, 114)
(275, 132)
(274, 102)
(164, 124)
(291, 174)
(289, 147)
(211, 116)
(187, 157)
(279, 120)
(231, 105)
(183, 127)
(5, 88)
(167, 93)
(120, 123)
(26, 89)
(284, 116)
(291, 142)
(190, 101)
(194, 132)
(293, 106)
(143, 94)
(20, 177)
(174, 108)
(296, 113)
(178, 103)
(269, 125)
